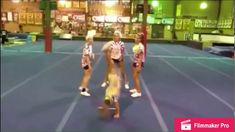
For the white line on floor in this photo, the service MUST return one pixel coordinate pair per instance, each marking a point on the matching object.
(69, 111)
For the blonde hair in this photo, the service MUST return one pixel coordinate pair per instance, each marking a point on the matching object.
(89, 37)
(118, 33)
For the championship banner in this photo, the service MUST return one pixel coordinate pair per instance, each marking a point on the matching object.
(30, 18)
(9, 17)
(186, 24)
(64, 4)
(4, 16)
(15, 16)
(22, 18)
(38, 18)
(178, 24)
(76, 4)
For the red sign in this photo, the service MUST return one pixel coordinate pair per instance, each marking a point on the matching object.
(204, 125)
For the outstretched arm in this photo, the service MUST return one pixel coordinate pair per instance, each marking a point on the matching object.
(106, 46)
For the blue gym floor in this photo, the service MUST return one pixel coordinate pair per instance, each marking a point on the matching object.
(39, 91)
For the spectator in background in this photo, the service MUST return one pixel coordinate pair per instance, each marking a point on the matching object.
(20, 28)
(4, 36)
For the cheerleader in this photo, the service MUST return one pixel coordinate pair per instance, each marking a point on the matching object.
(138, 63)
(87, 57)
(112, 92)
(117, 55)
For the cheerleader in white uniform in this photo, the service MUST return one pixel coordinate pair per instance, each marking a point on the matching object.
(87, 57)
(116, 52)
(112, 92)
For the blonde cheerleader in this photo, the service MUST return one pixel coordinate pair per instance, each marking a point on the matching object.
(112, 92)
(87, 57)
(116, 53)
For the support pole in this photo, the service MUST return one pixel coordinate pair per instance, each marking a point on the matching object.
(47, 28)
(144, 25)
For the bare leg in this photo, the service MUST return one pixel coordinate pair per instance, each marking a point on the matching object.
(106, 72)
(133, 75)
(137, 81)
(86, 78)
(106, 75)
(121, 68)
(83, 76)
(136, 72)
(117, 110)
